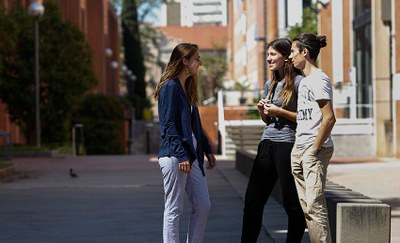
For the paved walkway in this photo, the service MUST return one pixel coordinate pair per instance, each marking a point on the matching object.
(120, 199)
(115, 199)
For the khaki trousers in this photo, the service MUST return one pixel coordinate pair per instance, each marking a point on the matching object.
(309, 171)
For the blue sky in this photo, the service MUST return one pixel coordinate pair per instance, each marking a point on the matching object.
(155, 17)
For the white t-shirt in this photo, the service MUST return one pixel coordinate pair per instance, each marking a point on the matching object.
(316, 86)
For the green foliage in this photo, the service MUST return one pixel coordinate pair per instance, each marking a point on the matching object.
(4, 165)
(66, 71)
(102, 118)
(139, 38)
(214, 67)
(140, 105)
(309, 24)
(252, 114)
(241, 86)
(133, 51)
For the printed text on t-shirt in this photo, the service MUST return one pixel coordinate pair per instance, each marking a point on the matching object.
(304, 114)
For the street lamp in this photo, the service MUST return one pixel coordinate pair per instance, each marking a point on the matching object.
(123, 68)
(36, 9)
(130, 80)
(114, 64)
(133, 78)
(114, 79)
(129, 72)
(107, 72)
(108, 52)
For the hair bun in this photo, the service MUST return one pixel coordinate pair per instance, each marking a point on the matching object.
(322, 40)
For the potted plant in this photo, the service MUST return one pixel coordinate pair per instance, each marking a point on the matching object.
(242, 87)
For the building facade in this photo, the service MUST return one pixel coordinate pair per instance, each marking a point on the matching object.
(361, 59)
(98, 20)
(195, 12)
(194, 21)
(364, 63)
(252, 24)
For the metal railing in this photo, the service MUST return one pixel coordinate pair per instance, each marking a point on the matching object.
(355, 119)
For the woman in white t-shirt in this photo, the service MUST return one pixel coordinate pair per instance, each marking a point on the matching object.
(313, 147)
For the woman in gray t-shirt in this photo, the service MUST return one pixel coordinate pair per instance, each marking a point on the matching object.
(278, 111)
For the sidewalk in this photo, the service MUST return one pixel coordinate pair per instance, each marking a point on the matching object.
(119, 199)
(275, 219)
(115, 199)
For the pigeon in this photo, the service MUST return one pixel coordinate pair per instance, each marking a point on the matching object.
(72, 174)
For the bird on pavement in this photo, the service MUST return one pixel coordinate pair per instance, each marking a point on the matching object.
(72, 174)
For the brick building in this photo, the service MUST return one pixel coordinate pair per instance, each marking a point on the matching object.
(97, 19)
(364, 62)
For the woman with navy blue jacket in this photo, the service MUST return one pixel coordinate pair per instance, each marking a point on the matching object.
(183, 144)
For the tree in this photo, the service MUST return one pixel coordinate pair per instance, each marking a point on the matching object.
(309, 23)
(211, 74)
(103, 120)
(66, 71)
(139, 37)
(148, 34)
(133, 54)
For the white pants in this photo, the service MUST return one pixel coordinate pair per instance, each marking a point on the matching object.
(175, 183)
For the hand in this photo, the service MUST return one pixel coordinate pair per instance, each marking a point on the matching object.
(314, 150)
(261, 106)
(184, 166)
(272, 110)
(211, 161)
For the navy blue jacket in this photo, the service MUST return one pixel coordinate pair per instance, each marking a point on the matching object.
(177, 122)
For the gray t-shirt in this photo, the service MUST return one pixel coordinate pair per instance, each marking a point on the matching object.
(316, 86)
(280, 129)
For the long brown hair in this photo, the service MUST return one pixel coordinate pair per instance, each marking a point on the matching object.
(175, 66)
(283, 46)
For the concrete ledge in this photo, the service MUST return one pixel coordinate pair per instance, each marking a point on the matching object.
(17, 154)
(365, 213)
(335, 195)
(363, 223)
(244, 161)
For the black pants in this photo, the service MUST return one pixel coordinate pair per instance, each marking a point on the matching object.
(271, 163)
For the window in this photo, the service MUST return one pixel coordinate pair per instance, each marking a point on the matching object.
(362, 57)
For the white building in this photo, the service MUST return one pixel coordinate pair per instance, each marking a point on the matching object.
(194, 12)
